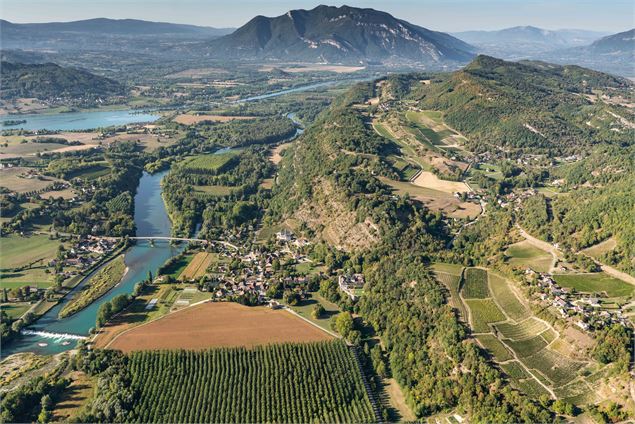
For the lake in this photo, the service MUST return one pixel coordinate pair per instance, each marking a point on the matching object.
(77, 120)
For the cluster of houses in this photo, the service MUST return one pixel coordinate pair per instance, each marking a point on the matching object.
(584, 310)
(258, 269)
(86, 252)
(516, 198)
(351, 284)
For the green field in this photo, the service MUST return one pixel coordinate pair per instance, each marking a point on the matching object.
(15, 310)
(524, 254)
(175, 269)
(209, 162)
(495, 347)
(309, 382)
(305, 309)
(99, 284)
(453, 269)
(475, 284)
(99, 169)
(215, 190)
(502, 293)
(595, 283)
(452, 282)
(483, 311)
(24, 260)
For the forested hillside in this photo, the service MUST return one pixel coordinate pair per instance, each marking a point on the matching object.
(598, 205)
(403, 303)
(48, 80)
(531, 107)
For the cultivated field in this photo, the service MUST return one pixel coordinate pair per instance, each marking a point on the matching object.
(305, 383)
(298, 68)
(187, 119)
(198, 266)
(595, 283)
(524, 254)
(218, 324)
(24, 260)
(210, 162)
(535, 357)
(475, 285)
(435, 200)
(430, 180)
(15, 179)
(482, 313)
(214, 190)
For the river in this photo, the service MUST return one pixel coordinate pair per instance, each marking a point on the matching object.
(50, 334)
(151, 219)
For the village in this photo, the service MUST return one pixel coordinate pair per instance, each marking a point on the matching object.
(263, 276)
(581, 309)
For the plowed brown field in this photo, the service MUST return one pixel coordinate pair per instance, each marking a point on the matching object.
(218, 324)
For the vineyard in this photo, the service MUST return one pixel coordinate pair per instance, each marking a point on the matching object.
(475, 285)
(315, 382)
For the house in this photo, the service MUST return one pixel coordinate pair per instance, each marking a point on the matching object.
(284, 235)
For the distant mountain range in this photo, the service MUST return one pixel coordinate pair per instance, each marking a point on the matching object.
(48, 80)
(101, 34)
(597, 50)
(338, 35)
(522, 41)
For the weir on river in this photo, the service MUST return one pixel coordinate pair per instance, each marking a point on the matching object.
(50, 334)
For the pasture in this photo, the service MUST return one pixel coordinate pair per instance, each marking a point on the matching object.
(221, 324)
(214, 190)
(482, 313)
(448, 268)
(595, 283)
(15, 310)
(475, 285)
(601, 248)
(524, 254)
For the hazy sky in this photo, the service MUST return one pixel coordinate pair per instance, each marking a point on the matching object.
(443, 15)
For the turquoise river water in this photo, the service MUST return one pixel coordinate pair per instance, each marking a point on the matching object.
(54, 335)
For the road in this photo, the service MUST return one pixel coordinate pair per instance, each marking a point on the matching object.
(556, 253)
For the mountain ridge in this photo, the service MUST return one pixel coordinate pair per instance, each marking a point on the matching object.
(338, 35)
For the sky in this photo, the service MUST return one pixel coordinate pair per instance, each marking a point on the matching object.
(441, 15)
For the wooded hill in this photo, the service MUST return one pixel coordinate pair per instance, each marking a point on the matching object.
(48, 80)
(530, 107)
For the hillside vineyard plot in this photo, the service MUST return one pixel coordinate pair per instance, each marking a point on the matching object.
(297, 383)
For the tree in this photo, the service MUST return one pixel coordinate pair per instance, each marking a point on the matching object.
(563, 407)
(318, 311)
(343, 323)
(45, 413)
